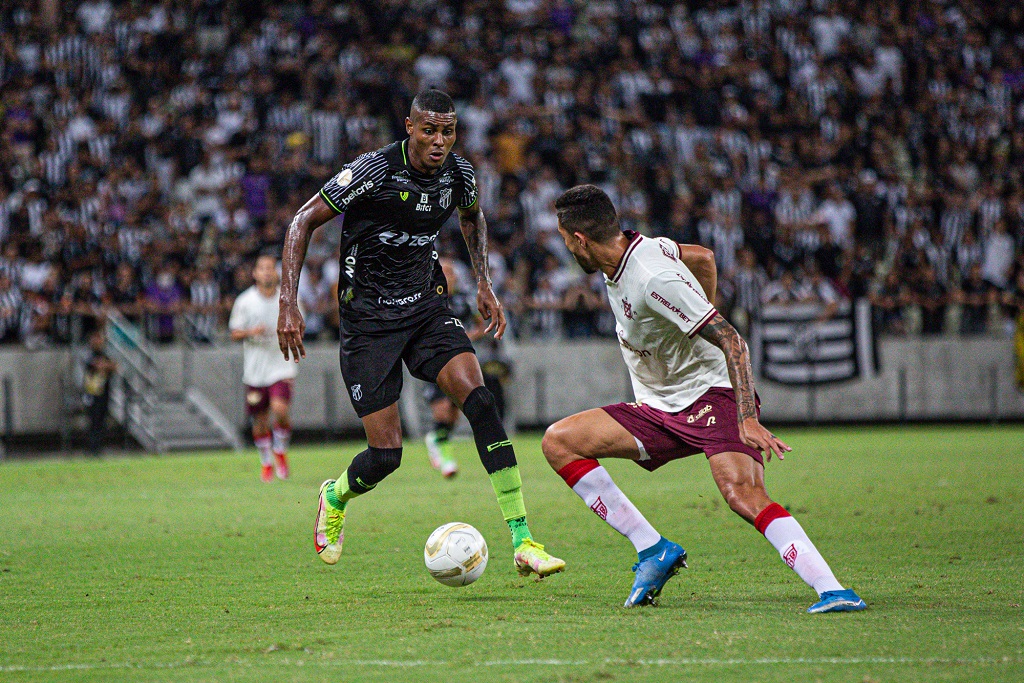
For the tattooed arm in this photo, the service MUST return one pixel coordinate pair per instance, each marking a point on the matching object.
(719, 332)
(474, 230)
(290, 326)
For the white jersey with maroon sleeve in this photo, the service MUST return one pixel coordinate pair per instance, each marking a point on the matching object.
(659, 308)
(264, 363)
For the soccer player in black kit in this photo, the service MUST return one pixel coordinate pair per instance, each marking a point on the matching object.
(394, 308)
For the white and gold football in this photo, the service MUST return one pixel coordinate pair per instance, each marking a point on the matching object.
(455, 554)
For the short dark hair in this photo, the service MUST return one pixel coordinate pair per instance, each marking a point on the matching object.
(433, 100)
(589, 210)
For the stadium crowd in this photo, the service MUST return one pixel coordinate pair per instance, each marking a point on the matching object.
(822, 148)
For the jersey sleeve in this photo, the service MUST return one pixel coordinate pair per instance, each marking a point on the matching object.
(467, 189)
(357, 181)
(239, 317)
(676, 295)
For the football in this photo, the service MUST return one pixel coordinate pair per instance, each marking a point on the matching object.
(455, 554)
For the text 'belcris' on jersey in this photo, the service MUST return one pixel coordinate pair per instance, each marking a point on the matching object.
(393, 214)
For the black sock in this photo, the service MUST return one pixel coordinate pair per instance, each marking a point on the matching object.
(371, 466)
(442, 431)
(489, 433)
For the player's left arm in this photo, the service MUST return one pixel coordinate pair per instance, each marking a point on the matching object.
(719, 332)
(474, 230)
(701, 262)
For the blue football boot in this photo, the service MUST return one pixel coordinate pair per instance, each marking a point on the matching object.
(654, 572)
(838, 601)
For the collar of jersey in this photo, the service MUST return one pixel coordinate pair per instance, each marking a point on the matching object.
(634, 239)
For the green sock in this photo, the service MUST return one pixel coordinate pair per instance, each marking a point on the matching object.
(339, 499)
(520, 532)
(508, 487)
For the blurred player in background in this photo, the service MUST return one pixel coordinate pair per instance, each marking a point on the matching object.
(694, 390)
(268, 377)
(442, 409)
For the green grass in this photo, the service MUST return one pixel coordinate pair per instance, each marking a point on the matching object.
(187, 568)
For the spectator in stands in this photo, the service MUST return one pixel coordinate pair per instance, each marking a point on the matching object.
(135, 134)
(163, 300)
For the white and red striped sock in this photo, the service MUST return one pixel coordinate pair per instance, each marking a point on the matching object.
(264, 445)
(282, 438)
(592, 483)
(795, 548)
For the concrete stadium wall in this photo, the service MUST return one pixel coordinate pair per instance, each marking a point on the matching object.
(921, 379)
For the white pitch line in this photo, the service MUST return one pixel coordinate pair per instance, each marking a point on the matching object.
(387, 663)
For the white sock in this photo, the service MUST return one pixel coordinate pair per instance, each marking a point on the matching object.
(796, 549)
(282, 437)
(263, 445)
(608, 502)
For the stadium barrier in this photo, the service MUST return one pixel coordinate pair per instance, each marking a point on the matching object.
(942, 378)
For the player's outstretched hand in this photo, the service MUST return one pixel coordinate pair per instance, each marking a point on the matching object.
(754, 434)
(491, 311)
(290, 328)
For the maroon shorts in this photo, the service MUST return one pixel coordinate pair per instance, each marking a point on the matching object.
(709, 425)
(257, 399)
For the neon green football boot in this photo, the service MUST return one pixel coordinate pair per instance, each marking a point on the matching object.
(531, 558)
(330, 529)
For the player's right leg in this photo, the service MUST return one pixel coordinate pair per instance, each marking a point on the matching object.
(369, 468)
(372, 370)
(740, 478)
(572, 447)
(261, 436)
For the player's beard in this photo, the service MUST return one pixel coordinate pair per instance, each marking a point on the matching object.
(587, 264)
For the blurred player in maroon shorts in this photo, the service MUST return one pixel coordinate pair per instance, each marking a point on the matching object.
(694, 388)
(267, 376)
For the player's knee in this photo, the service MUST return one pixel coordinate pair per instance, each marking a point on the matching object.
(480, 406)
(741, 498)
(556, 445)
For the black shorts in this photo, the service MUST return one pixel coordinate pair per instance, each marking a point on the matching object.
(371, 361)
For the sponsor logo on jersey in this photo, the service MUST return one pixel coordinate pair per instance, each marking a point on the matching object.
(643, 353)
(627, 309)
(350, 262)
(711, 421)
(357, 392)
(403, 195)
(347, 199)
(424, 204)
(401, 177)
(397, 239)
(699, 414)
(404, 301)
(670, 306)
(446, 197)
(600, 509)
(456, 322)
(686, 281)
(446, 179)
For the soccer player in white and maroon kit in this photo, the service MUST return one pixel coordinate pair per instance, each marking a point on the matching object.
(267, 376)
(694, 391)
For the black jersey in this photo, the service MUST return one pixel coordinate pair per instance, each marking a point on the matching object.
(393, 214)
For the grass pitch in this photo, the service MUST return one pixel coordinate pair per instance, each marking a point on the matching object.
(187, 568)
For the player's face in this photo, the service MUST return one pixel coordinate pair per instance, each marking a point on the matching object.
(265, 272)
(577, 247)
(431, 136)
